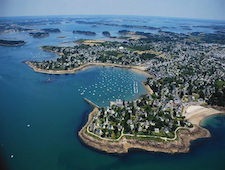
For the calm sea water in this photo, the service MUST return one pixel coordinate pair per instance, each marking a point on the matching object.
(56, 111)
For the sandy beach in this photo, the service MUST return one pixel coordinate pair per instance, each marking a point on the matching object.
(147, 87)
(196, 113)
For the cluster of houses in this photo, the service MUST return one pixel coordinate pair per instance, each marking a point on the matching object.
(134, 117)
(187, 74)
(72, 57)
(193, 66)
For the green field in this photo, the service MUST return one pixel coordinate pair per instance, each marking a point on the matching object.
(220, 83)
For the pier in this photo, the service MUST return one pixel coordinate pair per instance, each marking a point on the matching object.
(91, 103)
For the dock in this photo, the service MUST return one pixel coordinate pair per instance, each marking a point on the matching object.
(91, 103)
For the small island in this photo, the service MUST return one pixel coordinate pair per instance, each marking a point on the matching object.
(39, 34)
(84, 32)
(61, 36)
(124, 32)
(106, 33)
(11, 43)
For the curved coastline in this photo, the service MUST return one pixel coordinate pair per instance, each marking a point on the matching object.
(180, 145)
(220, 110)
(140, 69)
(196, 113)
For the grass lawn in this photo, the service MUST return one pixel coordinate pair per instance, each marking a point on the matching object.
(220, 83)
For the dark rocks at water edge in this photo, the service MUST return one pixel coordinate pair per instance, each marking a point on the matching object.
(51, 30)
(39, 34)
(106, 33)
(11, 43)
(84, 32)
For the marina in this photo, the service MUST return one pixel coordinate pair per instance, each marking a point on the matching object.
(113, 84)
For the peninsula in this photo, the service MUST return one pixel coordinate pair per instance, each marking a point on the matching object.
(117, 129)
(147, 124)
(187, 79)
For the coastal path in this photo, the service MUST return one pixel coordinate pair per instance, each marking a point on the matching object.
(131, 135)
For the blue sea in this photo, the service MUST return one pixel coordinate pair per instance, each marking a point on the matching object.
(39, 121)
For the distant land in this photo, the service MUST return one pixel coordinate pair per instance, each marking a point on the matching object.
(84, 32)
(11, 43)
(118, 25)
(51, 30)
(39, 34)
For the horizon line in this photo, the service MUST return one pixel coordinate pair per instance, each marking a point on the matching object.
(112, 15)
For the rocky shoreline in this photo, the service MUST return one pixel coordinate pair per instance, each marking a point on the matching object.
(182, 145)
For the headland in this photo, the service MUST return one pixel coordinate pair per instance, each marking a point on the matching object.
(179, 144)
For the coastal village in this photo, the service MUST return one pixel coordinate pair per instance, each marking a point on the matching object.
(118, 85)
(183, 73)
(145, 116)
